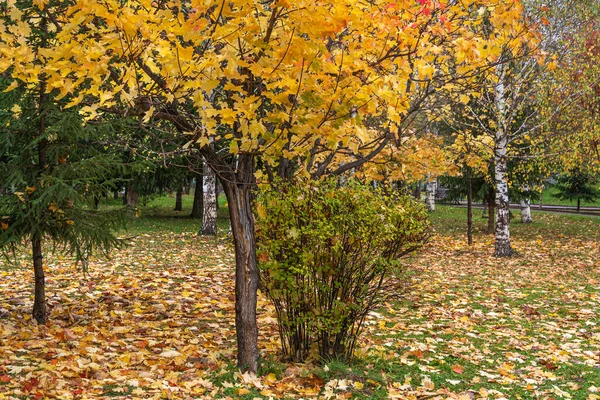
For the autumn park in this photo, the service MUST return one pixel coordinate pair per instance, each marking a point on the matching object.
(324, 199)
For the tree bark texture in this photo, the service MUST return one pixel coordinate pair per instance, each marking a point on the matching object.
(179, 200)
(39, 302)
(502, 232)
(526, 211)
(131, 196)
(239, 197)
(209, 215)
(430, 195)
(197, 208)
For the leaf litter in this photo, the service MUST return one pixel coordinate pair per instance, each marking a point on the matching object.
(157, 321)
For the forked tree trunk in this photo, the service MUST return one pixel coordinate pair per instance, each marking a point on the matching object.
(198, 199)
(179, 200)
(526, 211)
(209, 214)
(239, 197)
(430, 195)
(503, 247)
(469, 207)
(39, 302)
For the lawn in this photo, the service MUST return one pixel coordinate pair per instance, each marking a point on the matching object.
(156, 320)
(550, 197)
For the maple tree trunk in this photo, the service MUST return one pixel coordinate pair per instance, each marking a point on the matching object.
(239, 197)
(39, 302)
(526, 211)
(209, 214)
(417, 191)
(131, 196)
(198, 199)
(469, 207)
(179, 200)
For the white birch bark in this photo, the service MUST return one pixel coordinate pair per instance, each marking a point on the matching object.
(430, 194)
(502, 231)
(526, 211)
(209, 215)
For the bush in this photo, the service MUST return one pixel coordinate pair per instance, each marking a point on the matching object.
(326, 255)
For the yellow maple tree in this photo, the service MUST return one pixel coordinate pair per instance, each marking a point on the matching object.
(311, 86)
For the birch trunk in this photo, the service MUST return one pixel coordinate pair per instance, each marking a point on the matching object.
(430, 194)
(502, 231)
(526, 211)
(209, 202)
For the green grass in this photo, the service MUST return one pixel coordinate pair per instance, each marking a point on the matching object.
(157, 214)
(550, 197)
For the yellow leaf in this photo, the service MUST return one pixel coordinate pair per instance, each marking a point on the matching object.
(16, 110)
(261, 210)
(40, 3)
(12, 86)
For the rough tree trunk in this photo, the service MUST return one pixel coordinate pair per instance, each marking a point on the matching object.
(469, 207)
(39, 302)
(526, 211)
(179, 200)
(417, 191)
(239, 197)
(430, 195)
(131, 196)
(209, 214)
(197, 208)
(503, 247)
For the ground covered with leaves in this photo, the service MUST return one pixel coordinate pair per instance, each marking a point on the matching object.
(156, 321)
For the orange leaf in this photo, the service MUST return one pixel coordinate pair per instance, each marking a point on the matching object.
(459, 369)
